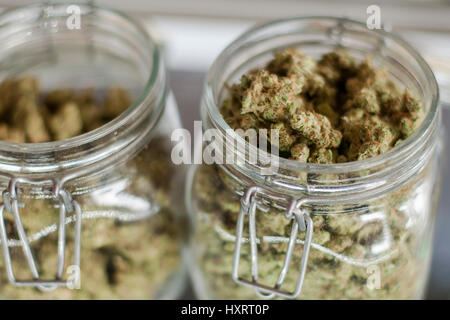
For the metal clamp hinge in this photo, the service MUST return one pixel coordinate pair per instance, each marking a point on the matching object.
(11, 205)
(300, 221)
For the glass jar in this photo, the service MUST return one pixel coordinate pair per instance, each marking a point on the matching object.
(356, 230)
(94, 216)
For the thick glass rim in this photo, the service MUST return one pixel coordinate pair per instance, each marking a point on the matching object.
(404, 148)
(107, 129)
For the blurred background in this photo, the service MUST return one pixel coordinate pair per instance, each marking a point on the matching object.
(193, 32)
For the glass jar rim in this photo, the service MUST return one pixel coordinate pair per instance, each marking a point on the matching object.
(213, 109)
(139, 106)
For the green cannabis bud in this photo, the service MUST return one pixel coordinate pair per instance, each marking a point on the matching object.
(343, 110)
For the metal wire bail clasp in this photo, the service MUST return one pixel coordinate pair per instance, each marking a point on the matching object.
(300, 220)
(11, 204)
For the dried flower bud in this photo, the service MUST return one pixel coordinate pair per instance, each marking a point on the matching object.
(285, 137)
(366, 99)
(271, 98)
(316, 128)
(117, 101)
(35, 129)
(321, 156)
(300, 152)
(411, 103)
(56, 98)
(306, 101)
(64, 113)
(11, 134)
(67, 122)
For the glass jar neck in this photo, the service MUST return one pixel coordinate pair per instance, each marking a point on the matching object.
(44, 26)
(366, 178)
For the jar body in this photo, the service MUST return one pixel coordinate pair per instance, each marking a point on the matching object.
(131, 236)
(121, 174)
(372, 222)
(379, 249)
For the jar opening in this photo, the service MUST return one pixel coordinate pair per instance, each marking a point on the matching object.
(316, 35)
(34, 38)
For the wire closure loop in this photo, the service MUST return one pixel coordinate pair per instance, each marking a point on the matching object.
(300, 221)
(11, 205)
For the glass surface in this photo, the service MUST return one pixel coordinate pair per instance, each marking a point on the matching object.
(373, 219)
(120, 174)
